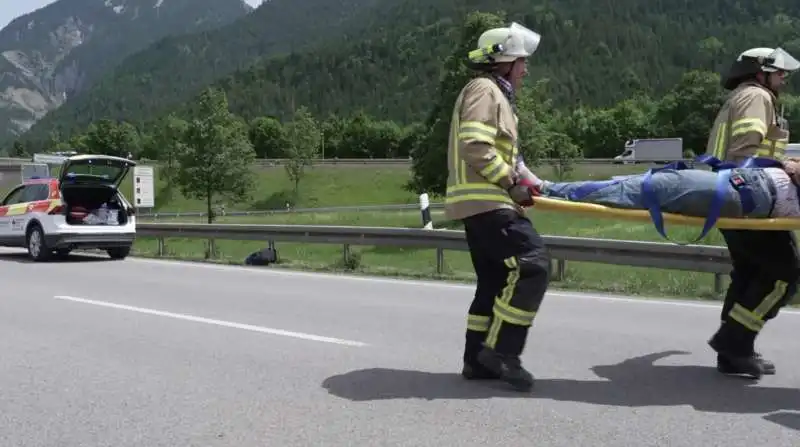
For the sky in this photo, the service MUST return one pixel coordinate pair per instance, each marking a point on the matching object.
(11, 9)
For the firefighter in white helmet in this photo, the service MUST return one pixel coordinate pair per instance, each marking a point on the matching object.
(766, 264)
(487, 188)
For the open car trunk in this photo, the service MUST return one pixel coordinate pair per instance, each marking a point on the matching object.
(93, 205)
(89, 190)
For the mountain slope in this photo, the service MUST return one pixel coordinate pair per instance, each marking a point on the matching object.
(177, 67)
(58, 51)
(594, 53)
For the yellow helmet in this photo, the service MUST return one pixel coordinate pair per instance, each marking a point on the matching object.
(505, 44)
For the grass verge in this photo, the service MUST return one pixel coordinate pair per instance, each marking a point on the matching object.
(421, 263)
(342, 186)
(322, 186)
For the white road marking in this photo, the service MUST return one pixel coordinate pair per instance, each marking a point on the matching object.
(282, 272)
(279, 271)
(247, 327)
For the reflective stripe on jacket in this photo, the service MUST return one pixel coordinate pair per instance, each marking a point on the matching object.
(748, 125)
(482, 151)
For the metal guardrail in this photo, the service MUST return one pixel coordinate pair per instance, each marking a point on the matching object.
(694, 258)
(268, 162)
(407, 161)
(331, 209)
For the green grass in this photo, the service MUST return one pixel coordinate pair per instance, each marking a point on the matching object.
(322, 186)
(421, 263)
(342, 186)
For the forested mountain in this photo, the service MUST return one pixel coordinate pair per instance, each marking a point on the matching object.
(58, 51)
(388, 61)
(174, 69)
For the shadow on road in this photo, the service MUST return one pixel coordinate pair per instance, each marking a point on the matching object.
(636, 382)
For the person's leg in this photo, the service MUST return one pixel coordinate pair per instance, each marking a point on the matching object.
(743, 271)
(515, 245)
(490, 281)
(766, 279)
(623, 193)
(689, 192)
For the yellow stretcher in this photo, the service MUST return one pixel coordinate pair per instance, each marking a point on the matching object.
(602, 211)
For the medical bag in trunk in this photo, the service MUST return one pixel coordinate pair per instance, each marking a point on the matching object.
(90, 190)
(93, 205)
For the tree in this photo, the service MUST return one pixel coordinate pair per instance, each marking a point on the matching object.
(266, 134)
(364, 137)
(541, 130)
(429, 164)
(165, 143)
(18, 150)
(111, 138)
(216, 156)
(689, 109)
(303, 140)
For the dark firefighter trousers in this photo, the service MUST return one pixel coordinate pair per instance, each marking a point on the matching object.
(512, 266)
(766, 268)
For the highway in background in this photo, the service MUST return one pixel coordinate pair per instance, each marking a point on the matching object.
(158, 353)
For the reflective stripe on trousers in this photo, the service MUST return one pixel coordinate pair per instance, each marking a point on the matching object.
(502, 311)
(754, 320)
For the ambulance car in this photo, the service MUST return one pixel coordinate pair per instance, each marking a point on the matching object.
(80, 209)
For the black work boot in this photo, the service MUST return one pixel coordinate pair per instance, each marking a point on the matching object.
(508, 368)
(726, 367)
(766, 365)
(475, 371)
(736, 361)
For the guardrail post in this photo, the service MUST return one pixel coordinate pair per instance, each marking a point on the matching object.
(718, 283)
(346, 253)
(161, 246)
(439, 260)
(211, 253)
(559, 270)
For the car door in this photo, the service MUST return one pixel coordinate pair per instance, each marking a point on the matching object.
(21, 212)
(9, 207)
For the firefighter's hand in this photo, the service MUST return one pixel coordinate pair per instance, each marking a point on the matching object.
(522, 194)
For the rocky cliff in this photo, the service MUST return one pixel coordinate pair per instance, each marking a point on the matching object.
(60, 50)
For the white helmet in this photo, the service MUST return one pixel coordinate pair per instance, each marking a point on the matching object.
(771, 59)
(505, 44)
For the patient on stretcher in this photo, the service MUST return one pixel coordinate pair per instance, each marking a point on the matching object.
(748, 193)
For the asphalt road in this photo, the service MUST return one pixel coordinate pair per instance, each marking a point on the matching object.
(149, 353)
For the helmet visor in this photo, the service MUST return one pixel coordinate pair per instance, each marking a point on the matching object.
(781, 60)
(530, 38)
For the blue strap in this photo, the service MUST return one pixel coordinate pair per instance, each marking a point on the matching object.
(723, 170)
(752, 162)
(745, 193)
(577, 194)
(650, 201)
(587, 188)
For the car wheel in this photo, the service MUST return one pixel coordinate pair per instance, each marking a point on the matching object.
(119, 252)
(37, 247)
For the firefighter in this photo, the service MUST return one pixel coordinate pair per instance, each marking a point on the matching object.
(487, 189)
(766, 265)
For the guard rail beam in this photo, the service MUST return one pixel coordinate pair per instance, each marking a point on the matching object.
(267, 162)
(693, 258)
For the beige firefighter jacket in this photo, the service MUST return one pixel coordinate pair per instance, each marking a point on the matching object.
(747, 125)
(482, 151)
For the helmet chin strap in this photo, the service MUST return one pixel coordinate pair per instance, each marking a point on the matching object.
(765, 84)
